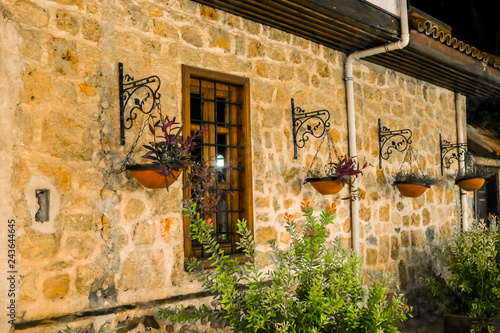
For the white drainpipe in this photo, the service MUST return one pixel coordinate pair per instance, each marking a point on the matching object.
(351, 117)
(460, 139)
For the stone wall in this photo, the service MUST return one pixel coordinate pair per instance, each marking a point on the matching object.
(112, 248)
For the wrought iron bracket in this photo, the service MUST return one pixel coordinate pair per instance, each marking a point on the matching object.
(447, 147)
(390, 141)
(145, 96)
(308, 123)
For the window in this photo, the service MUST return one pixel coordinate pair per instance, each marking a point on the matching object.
(486, 199)
(218, 105)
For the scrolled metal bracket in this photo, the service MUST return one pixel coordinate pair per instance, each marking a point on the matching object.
(145, 96)
(390, 141)
(446, 147)
(308, 123)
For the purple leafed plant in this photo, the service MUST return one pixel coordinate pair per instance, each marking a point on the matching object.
(346, 169)
(173, 152)
(168, 148)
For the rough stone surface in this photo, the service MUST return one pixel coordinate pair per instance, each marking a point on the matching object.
(110, 241)
(56, 286)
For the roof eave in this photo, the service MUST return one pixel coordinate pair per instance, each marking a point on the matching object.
(351, 25)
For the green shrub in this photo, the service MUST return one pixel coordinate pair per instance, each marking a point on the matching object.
(471, 284)
(311, 288)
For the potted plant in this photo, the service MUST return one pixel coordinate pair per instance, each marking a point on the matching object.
(469, 287)
(170, 153)
(339, 173)
(311, 287)
(412, 184)
(470, 179)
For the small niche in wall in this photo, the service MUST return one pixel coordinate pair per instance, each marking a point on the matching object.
(43, 199)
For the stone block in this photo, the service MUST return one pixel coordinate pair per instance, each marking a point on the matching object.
(295, 57)
(33, 245)
(60, 175)
(384, 213)
(252, 27)
(285, 237)
(277, 54)
(265, 234)
(192, 36)
(384, 249)
(81, 222)
(394, 248)
(365, 213)
(209, 13)
(36, 85)
(372, 240)
(85, 276)
(165, 29)
(67, 22)
(406, 221)
(279, 35)
(64, 55)
(430, 234)
(300, 42)
(91, 30)
(220, 38)
(255, 49)
(56, 286)
(144, 233)
(134, 209)
(27, 12)
(415, 219)
(426, 217)
(346, 227)
(80, 247)
(232, 21)
(417, 238)
(405, 239)
(371, 257)
(266, 70)
(143, 269)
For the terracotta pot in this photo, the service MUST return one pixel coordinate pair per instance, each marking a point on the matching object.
(149, 175)
(326, 185)
(461, 324)
(470, 184)
(411, 190)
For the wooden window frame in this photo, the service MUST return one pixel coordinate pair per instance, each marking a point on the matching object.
(187, 73)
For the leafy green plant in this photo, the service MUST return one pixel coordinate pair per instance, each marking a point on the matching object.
(101, 329)
(410, 177)
(312, 287)
(471, 284)
(473, 172)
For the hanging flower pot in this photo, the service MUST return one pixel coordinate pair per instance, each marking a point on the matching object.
(470, 184)
(410, 180)
(331, 178)
(411, 190)
(326, 185)
(150, 175)
(472, 177)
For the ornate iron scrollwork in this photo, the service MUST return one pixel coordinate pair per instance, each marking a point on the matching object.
(390, 141)
(145, 96)
(446, 147)
(308, 123)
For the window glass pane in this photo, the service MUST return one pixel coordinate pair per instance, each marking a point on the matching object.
(196, 110)
(215, 108)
